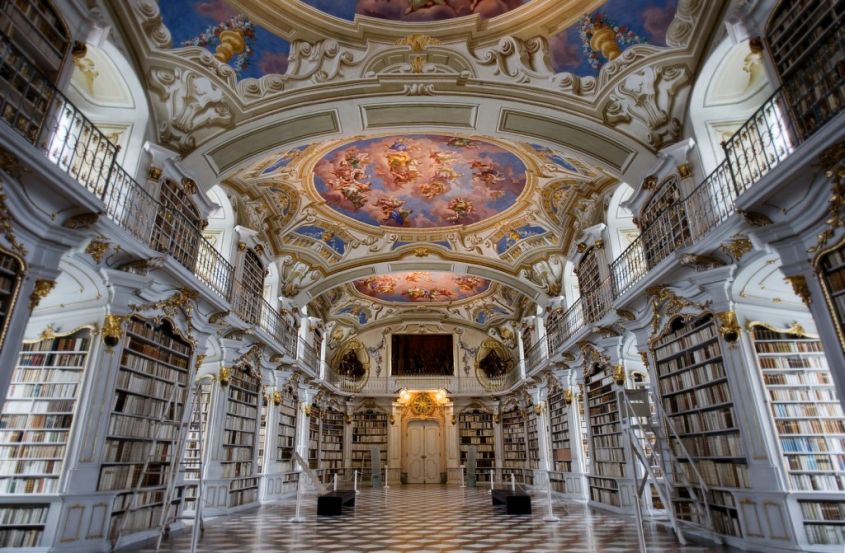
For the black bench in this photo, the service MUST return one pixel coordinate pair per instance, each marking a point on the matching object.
(516, 502)
(331, 504)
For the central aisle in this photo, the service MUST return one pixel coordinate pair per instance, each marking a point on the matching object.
(418, 518)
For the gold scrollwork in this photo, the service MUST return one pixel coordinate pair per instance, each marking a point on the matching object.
(277, 397)
(737, 247)
(728, 326)
(800, 287)
(417, 42)
(6, 224)
(41, 290)
(224, 375)
(97, 250)
(619, 374)
(795, 328)
(199, 360)
(113, 329)
(567, 396)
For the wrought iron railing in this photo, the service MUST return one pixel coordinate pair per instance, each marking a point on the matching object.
(763, 142)
(33, 108)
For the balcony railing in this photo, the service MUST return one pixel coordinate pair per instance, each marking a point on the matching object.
(763, 142)
(33, 108)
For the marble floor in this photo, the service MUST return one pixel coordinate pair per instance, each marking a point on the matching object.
(432, 518)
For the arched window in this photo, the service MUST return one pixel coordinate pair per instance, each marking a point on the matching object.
(177, 225)
(663, 222)
(252, 288)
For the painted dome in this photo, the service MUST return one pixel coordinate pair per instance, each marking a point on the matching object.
(415, 10)
(419, 180)
(421, 286)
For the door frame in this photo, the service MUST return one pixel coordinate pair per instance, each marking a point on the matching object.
(441, 461)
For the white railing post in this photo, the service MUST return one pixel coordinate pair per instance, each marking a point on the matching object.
(355, 482)
(463, 485)
(550, 517)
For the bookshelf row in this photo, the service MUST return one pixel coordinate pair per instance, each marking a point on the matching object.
(369, 429)
(514, 439)
(476, 430)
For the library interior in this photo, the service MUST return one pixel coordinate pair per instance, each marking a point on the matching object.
(449, 276)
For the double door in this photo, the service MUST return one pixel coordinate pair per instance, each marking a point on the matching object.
(423, 452)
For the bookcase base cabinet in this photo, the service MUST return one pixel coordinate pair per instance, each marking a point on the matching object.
(626, 493)
(278, 487)
(215, 499)
(571, 485)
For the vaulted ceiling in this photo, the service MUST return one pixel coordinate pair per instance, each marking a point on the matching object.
(418, 159)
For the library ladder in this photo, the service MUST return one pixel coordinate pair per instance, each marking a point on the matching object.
(158, 425)
(651, 448)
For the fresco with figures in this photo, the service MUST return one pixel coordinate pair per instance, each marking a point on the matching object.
(420, 180)
(421, 286)
(604, 34)
(415, 10)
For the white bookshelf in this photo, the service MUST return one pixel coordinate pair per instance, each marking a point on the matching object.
(286, 429)
(809, 424)
(369, 428)
(606, 437)
(314, 437)
(513, 439)
(240, 433)
(696, 396)
(476, 429)
(331, 439)
(11, 273)
(35, 427)
(149, 400)
(196, 441)
(533, 453)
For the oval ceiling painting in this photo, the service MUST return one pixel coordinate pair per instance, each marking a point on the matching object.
(419, 180)
(422, 286)
(415, 10)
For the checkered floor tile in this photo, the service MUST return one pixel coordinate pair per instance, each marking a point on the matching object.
(419, 519)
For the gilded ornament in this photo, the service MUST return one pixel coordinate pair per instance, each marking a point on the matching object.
(737, 247)
(836, 204)
(143, 266)
(644, 357)
(189, 186)
(701, 262)
(154, 173)
(417, 64)
(754, 218)
(497, 418)
(684, 170)
(619, 374)
(581, 247)
(417, 42)
(392, 420)
(259, 249)
(306, 408)
(242, 246)
(113, 329)
(728, 326)
(224, 375)
(97, 250)
(423, 405)
(625, 314)
(538, 408)
(231, 43)
(41, 290)
(11, 164)
(567, 396)
(650, 182)
(6, 225)
(200, 359)
(277, 397)
(421, 252)
(801, 288)
(79, 49)
(599, 244)
(217, 316)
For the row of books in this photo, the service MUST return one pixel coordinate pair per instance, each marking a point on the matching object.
(787, 346)
(811, 395)
(804, 410)
(810, 378)
(20, 516)
(823, 510)
(30, 451)
(701, 398)
(32, 485)
(704, 421)
(369, 439)
(121, 451)
(714, 473)
(244, 381)
(31, 467)
(811, 444)
(158, 335)
(39, 406)
(142, 385)
(823, 534)
(614, 455)
(151, 367)
(131, 500)
(243, 396)
(236, 470)
(683, 340)
(236, 453)
(234, 422)
(815, 463)
(698, 376)
(35, 421)
(614, 469)
(136, 350)
(46, 362)
(133, 427)
(123, 477)
(238, 438)
(143, 406)
(810, 426)
(712, 445)
(686, 358)
(20, 537)
(33, 436)
(817, 482)
(786, 362)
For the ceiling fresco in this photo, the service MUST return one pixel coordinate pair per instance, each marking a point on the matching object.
(419, 180)
(212, 24)
(415, 10)
(601, 36)
(421, 287)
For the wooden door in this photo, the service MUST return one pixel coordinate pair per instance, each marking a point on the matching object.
(423, 447)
